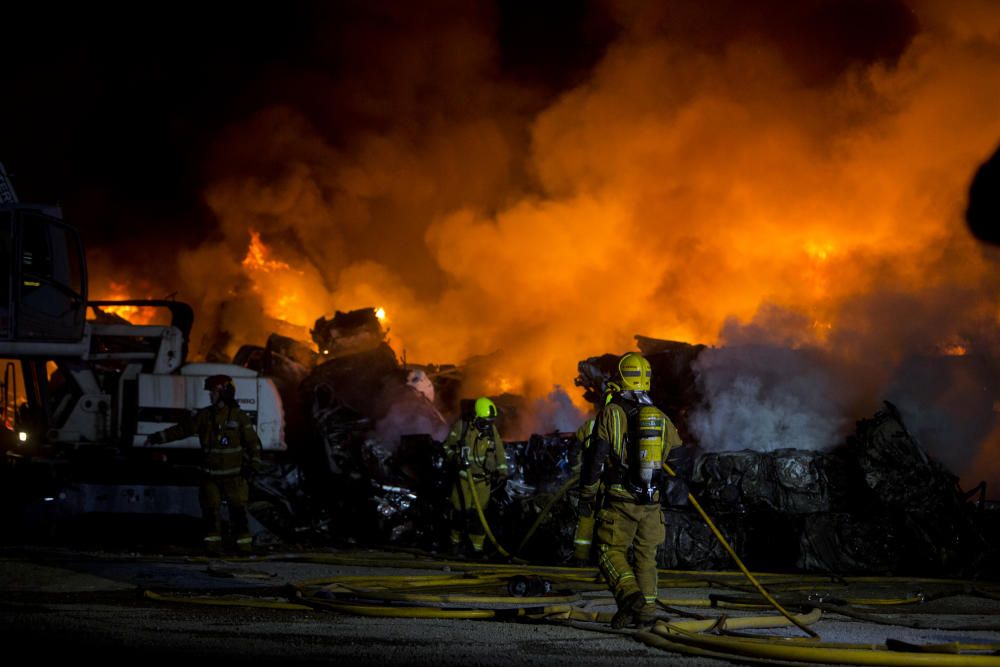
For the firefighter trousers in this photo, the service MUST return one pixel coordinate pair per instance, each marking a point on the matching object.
(236, 492)
(622, 525)
(464, 516)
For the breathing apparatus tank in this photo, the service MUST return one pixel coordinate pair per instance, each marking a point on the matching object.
(647, 449)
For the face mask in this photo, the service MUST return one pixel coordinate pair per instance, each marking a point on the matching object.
(640, 397)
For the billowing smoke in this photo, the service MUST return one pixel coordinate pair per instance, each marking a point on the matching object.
(551, 413)
(766, 398)
(722, 174)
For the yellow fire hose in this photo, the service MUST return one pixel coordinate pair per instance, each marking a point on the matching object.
(545, 510)
(675, 638)
(485, 523)
(743, 568)
(426, 596)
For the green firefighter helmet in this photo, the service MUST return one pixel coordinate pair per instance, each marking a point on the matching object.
(485, 409)
(634, 372)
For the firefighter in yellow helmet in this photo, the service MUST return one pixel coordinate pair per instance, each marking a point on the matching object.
(630, 444)
(230, 456)
(476, 453)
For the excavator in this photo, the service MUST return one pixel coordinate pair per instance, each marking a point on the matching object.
(82, 387)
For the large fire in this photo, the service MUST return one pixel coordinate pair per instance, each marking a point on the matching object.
(136, 314)
(710, 195)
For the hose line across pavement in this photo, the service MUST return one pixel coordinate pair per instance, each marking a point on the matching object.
(577, 596)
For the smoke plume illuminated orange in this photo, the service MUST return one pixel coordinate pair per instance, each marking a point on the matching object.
(709, 196)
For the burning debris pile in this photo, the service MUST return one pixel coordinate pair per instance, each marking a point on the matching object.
(366, 465)
(365, 437)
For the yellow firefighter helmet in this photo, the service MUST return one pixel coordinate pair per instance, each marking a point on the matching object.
(634, 372)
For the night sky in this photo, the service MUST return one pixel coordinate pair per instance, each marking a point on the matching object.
(116, 113)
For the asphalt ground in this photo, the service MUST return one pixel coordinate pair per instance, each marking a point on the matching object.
(127, 607)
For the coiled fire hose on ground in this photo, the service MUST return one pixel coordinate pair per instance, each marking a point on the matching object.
(482, 592)
(434, 596)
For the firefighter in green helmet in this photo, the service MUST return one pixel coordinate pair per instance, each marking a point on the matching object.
(629, 446)
(231, 455)
(475, 453)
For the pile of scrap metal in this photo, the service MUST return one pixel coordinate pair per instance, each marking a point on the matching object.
(876, 505)
(365, 462)
(365, 465)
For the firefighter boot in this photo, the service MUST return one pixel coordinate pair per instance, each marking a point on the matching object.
(244, 544)
(628, 611)
(456, 548)
(212, 544)
(646, 616)
(477, 551)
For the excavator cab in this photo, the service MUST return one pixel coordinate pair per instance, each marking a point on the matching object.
(43, 281)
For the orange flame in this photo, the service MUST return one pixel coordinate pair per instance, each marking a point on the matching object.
(285, 291)
(258, 256)
(140, 315)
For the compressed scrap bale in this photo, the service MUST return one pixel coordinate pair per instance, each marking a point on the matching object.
(935, 521)
(735, 482)
(897, 470)
(787, 480)
(841, 543)
(813, 482)
(690, 544)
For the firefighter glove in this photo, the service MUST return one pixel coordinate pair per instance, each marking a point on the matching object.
(500, 494)
(583, 538)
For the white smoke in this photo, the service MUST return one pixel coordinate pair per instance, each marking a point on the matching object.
(765, 398)
(554, 412)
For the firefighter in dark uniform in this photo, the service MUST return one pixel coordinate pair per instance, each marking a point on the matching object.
(629, 446)
(230, 457)
(475, 452)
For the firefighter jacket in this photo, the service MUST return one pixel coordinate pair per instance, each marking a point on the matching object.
(584, 434)
(613, 457)
(229, 444)
(482, 455)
